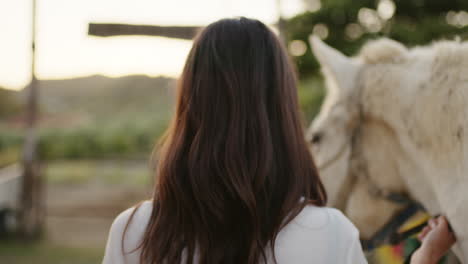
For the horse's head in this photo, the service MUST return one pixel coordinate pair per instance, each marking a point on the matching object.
(331, 132)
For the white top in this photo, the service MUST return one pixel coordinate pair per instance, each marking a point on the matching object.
(317, 235)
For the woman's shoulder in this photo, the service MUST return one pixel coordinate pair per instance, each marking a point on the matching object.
(126, 234)
(321, 235)
(135, 220)
(316, 217)
(137, 215)
(130, 225)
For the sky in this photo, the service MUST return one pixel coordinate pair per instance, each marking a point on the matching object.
(64, 50)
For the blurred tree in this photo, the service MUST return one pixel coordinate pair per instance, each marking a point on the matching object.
(347, 24)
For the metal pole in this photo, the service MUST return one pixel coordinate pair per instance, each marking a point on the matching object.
(31, 216)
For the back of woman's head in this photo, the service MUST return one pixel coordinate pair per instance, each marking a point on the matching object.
(234, 167)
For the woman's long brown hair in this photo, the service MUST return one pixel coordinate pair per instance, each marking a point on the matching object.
(234, 167)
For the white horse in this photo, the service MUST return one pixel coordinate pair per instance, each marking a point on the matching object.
(395, 121)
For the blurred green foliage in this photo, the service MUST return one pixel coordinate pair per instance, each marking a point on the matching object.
(129, 139)
(414, 22)
(93, 117)
(10, 142)
(117, 141)
(9, 156)
(311, 93)
(9, 104)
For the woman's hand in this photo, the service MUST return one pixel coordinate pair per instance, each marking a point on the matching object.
(436, 240)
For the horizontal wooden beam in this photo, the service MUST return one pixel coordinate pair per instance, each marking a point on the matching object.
(111, 29)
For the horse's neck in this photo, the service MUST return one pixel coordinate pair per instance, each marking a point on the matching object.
(417, 111)
(422, 106)
(393, 166)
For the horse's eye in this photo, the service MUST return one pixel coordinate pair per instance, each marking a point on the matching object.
(317, 137)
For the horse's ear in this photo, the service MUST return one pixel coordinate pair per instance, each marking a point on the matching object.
(333, 62)
(326, 55)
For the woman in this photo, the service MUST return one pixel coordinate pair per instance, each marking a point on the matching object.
(236, 182)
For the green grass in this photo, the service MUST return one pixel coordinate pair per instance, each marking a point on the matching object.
(16, 252)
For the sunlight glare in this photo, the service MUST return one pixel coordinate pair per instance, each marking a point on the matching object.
(64, 50)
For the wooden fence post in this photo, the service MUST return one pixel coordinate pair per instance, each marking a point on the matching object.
(31, 215)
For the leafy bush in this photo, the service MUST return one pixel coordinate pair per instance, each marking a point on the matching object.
(96, 142)
(127, 139)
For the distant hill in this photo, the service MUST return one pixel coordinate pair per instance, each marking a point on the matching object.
(101, 99)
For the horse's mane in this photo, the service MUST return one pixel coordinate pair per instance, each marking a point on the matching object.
(446, 53)
(382, 50)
